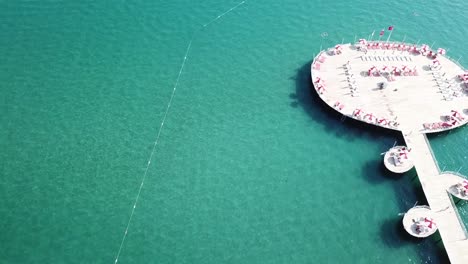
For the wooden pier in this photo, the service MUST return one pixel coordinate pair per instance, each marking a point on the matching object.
(410, 89)
(445, 214)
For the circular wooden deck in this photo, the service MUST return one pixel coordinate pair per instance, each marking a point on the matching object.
(402, 93)
(418, 221)
(397, 163)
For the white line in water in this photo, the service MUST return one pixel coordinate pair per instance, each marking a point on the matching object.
(161, 127)
(218, 17)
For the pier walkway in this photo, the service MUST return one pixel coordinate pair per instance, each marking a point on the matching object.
(445, 214)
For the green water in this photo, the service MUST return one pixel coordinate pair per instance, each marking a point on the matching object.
(250, 166)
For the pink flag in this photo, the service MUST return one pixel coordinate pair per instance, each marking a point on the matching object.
(382, 32)
(390, 28)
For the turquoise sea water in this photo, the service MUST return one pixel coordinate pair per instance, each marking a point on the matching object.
(250, 166)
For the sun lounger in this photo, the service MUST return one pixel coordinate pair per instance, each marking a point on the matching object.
(436, 125)
(397, 161)
(446, 125)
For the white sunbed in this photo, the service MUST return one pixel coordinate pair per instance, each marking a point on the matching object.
(396, 160)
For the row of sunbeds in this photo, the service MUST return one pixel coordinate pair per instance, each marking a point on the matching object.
(437, 125)
(386, 58)
(447, 87)
(351, 80)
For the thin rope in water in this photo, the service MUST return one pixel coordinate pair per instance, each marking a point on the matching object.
(220, 16)
(162, 125)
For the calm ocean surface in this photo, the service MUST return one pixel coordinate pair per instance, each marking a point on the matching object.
(250, 166)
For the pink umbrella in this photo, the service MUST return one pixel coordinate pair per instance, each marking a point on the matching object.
(396, 70)
(385, 68)
(357, 112)
(457, 114)
(320, 88)
(436, 62)
(441, 51)
(338, 49)
(370, 116)
(429, 222)
(338, 105)
(317, 79)
(316, 66)
(383, 121)
(446, 125)
(465, 184)
(424, 49)
(403, 152)
(362, 41)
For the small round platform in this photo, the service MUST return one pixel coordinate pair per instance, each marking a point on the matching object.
(418, 221)
(456, 185)
(398, 160)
